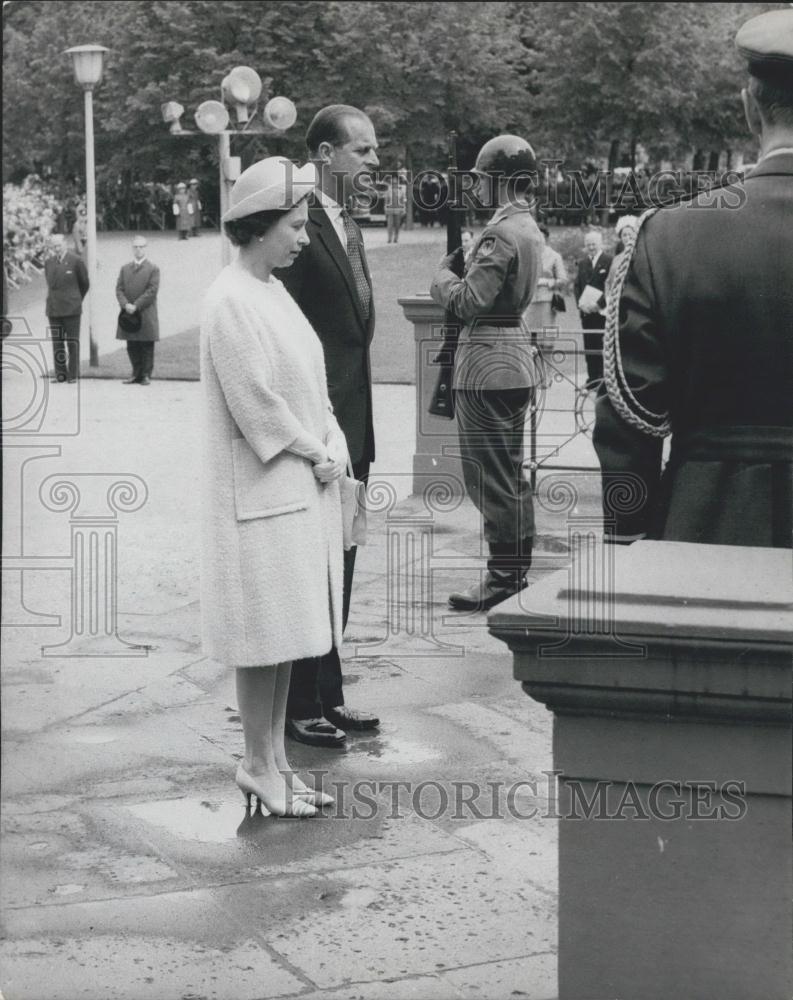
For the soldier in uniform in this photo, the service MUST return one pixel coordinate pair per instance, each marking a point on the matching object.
(494, 370)
(699, 343)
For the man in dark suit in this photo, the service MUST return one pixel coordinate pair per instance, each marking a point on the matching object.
(331, 284)
(704, 329)
(136, 290)
(593, 270)
(67, 284)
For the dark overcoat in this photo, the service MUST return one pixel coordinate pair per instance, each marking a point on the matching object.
(139, 285)
(322, 283)
(67, 284)
(706, 335)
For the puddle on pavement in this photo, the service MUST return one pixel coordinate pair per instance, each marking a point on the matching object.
(94, 734)
(359, 899)
(69, 889)
(205, 820)
(393, 749)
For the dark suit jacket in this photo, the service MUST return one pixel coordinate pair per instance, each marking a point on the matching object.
(322, 284)
(587, 275)
(67, 283)
(706, 335)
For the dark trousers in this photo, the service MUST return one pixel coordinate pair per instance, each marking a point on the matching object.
(141, 357)
(65, 333)
(316, 682)
(593, 325)
(490, 424)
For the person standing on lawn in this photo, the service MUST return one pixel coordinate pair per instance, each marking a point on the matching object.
(67, 284)
(136, 290)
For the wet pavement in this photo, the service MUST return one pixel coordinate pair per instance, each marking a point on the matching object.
(131, 868)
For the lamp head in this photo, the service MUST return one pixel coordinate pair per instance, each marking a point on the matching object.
(211, 117)
(241, 89)
(88, 62)
(172, 111)
(281, 113)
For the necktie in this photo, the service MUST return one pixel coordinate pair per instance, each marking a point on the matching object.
(355, 256)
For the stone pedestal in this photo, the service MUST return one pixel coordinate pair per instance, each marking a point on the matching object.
(437, 452)
(672, 740)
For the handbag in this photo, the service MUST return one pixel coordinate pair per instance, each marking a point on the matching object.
(353, 510)
(558, 303)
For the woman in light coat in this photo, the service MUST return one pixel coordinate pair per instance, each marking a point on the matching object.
(271, 582)
(540, 314)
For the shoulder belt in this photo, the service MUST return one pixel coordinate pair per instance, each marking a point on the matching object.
(620, 394)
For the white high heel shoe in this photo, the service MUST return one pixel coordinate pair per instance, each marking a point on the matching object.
(294, 805)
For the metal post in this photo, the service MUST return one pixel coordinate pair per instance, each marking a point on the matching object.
(90, 199)
(224, 155)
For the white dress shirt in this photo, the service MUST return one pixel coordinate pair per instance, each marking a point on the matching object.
(333, 210)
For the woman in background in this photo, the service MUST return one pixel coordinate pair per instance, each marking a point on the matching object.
(540, 314)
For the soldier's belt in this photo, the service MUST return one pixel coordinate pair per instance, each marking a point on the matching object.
(504, 321)
(734, 444)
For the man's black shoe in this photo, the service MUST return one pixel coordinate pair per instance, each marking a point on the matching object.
(145, 380)
(130, 381)
(349, 718)
(315, 732)
(483, 595)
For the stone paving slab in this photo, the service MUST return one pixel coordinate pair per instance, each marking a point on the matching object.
(171, 946)
(407, 917)
(127, 847)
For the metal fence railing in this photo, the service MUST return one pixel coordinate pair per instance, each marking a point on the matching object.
(564, 391)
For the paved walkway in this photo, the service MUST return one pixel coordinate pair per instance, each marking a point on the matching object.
(131, 869)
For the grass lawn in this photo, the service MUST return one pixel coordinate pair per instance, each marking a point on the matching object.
(397, 270)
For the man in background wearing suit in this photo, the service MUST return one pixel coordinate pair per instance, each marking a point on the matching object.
(136, 290)
(331, 284)
(593, 270)
(705, 348)
(67, 284)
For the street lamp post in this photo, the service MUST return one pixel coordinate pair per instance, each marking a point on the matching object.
(240, 90)
(88, 63)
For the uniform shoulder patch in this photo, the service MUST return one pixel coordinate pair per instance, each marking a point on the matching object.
(485, 247)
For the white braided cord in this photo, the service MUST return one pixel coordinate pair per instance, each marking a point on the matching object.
(620, 394)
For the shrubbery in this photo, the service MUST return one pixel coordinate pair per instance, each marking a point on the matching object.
(30, 215)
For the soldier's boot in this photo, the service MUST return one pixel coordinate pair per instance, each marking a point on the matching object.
(506, 575)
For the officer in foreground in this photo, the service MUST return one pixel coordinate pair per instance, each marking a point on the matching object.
(494, 370)
(699, 343)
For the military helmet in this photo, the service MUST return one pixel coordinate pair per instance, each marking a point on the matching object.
(506, 156)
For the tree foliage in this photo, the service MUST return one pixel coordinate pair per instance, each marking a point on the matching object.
(579, 79)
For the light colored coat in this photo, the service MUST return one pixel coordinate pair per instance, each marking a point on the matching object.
(183, 210)
(272, 571)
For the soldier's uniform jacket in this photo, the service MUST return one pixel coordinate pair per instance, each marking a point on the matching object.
(500, 278)
(706, 335)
